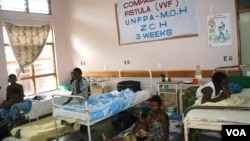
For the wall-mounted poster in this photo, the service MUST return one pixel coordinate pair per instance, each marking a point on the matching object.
(219, 30)
(147, 20)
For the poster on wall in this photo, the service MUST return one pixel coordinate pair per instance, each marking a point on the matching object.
(148, 20)
(219, 30)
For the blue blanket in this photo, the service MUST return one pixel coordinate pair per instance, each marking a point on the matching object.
(102, 105)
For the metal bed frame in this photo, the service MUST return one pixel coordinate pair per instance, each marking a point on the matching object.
(89, 123)
(212, 125)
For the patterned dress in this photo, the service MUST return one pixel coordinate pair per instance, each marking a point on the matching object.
(155, 130)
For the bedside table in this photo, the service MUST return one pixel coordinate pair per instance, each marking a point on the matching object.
(170, 90)
(100, 86)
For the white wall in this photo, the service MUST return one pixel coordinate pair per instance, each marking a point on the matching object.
(93, 38)
(63, 52)
(3, 70)
(86, 30)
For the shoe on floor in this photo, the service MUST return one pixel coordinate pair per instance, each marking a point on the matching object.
(18, 134)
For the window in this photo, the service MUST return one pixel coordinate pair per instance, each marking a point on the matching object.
(243, 23)
(39, 77)
(244, 4)
(28, 6)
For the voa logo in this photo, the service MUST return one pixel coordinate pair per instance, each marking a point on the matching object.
(236, 132)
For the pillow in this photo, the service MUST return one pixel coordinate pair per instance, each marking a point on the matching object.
(244, 81)
(133, 85)
(65, 87)
(235, 88)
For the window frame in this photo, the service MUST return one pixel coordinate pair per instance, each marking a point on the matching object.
(238, 11)
(35, 76)
(27, 8)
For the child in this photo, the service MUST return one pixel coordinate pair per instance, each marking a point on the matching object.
(139, 133)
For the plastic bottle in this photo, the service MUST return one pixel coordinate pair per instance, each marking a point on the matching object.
(166, 76)
(198, 73)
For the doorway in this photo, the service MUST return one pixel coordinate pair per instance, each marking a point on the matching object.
(244, 21)
(243, 11)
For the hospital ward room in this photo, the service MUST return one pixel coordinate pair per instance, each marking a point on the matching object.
(124, 70)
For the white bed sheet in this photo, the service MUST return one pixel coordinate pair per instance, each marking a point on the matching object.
(225, 114)
(213, 119)
(44, 106)
(139, 97)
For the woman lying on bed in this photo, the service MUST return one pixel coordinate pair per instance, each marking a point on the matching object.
(216, 90)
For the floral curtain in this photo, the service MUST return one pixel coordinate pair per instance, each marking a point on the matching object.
(27, 42)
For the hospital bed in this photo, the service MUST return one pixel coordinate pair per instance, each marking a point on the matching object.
(102, 106)
(211, 116)
(42, 103)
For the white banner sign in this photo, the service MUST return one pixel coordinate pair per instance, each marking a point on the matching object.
(147, 20)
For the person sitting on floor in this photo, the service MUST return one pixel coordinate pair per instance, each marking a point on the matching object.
(157, 123)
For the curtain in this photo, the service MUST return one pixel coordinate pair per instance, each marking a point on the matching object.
(27, 43)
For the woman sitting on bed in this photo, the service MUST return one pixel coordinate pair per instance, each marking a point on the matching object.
(9, 108)
(157, 123)
(79, 85)
(216, 90)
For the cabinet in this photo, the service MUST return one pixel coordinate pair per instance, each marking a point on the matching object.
(100, 86)
(169, 90)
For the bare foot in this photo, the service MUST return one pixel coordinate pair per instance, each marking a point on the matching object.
(104, 138)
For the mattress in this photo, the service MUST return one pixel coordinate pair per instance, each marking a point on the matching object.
(41, 130)
(225, 111)
(103, 105)
(43, 106)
